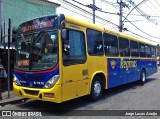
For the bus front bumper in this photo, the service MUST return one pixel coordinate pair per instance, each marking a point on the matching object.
(51, 95)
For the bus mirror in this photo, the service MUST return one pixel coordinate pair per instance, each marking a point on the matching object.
(64, 33)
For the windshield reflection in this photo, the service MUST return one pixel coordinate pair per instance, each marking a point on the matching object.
(37, 51)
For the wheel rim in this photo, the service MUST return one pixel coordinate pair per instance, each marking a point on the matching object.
(143, 77)
(97, 88)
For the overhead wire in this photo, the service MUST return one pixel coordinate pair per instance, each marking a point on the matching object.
(141, 30)
(90, 12)
(80, 14)
(134, 8)
(131, 22)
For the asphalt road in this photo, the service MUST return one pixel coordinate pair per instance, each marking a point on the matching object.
(127, 97)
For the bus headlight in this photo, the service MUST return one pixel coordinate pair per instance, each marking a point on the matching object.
(16, 81)
(51, 82)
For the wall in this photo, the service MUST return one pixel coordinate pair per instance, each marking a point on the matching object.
(23, 10)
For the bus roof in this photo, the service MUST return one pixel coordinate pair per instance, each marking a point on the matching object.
(75, 21)
(102, 29)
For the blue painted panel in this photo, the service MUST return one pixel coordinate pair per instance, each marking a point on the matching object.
(125, 70)
(36, 80)
(114, 72)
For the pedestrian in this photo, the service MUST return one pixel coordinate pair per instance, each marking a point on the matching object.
(3, 74)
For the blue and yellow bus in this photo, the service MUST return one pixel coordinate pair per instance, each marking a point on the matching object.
(59, 58)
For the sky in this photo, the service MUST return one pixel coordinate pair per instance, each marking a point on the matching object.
(145, 23)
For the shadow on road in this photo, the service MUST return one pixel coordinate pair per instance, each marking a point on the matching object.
(66, 108)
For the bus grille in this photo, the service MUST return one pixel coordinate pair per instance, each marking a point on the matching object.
(31, 92)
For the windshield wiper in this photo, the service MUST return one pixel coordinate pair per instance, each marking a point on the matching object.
(38, 36)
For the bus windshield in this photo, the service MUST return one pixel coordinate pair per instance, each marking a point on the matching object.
(37, 50)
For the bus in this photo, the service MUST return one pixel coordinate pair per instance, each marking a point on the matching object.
(59, 58)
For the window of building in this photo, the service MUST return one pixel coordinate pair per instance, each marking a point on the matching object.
(134, 49)
(110, 45)
(124, 47)
(95, 42)
(73, 47)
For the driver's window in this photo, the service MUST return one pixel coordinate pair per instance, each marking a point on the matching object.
(73, 47)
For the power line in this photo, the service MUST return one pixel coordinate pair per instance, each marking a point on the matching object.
(87, 12)
(153, 10)
(134, 8)
(141, 36)
(130, 22)
(154, 7)
(157, 3)
(145, 15)
(108, 12)
(136, 21)
(142, 30)
(81, 14)
(90, 12)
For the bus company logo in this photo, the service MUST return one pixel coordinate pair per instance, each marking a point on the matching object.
(113, 64)
(128, 64)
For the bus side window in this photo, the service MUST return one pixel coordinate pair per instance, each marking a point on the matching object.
(110, 45)
(148, 50)
(94, 42)
(153, 52)
(142, 50)
(73, 47)
(124, 47)
(134, 48)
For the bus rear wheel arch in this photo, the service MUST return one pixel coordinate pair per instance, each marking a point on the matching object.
(97, 87)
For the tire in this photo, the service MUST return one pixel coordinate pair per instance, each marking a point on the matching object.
(143, 77)
(96, 88)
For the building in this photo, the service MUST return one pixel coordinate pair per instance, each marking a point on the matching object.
(22, 10)
(19, 11)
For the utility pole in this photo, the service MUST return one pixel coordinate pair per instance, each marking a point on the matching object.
(120, 17)
(93, 11)
(1, 8)
(94, 8)
(9, 40)
(121, 6)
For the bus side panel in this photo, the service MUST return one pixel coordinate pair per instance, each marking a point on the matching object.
(150, 65)
(134, 69)
(122, 71)
(114, 72)
(97, 64)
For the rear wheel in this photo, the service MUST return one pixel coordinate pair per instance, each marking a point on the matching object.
(143, 77)
(96, 88)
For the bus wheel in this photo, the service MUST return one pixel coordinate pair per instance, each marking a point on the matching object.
(143, 77)
(96, 88)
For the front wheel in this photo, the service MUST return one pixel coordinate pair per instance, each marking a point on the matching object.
(96, 88)
(143, 77)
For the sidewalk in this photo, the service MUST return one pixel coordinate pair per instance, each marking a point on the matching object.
(12, 99)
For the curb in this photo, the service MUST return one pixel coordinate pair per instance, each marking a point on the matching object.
(12, 101)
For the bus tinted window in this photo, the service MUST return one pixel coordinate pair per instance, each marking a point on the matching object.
(134, 49)
(73, 47)
(142, 50)
(110, 45)
(153, 52)
(148, 50)
(95, 42)
(124, 47)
